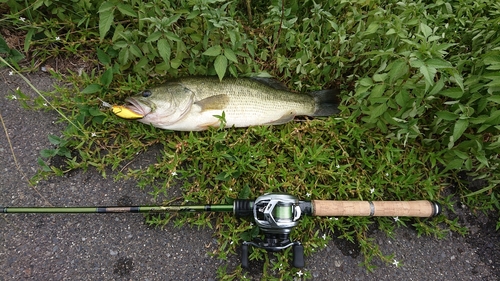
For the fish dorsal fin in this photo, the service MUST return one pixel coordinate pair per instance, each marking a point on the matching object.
(217, 102)
(270, 82)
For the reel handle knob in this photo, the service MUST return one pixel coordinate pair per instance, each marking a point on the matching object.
(298, 255)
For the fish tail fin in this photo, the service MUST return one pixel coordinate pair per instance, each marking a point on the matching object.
(327, 102)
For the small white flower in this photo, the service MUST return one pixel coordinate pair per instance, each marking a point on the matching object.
(231, 243)
(58, 38)
(372, 190)
(396, 218)
(338, 166)
(45, 104)
(11, 73)
(93, 135)
(395, 263)
(299, 273)
(324, 236)
(230, 189)
(22, 19)
(174, 173)
(308, 162)
(386, 174)
(308, 194)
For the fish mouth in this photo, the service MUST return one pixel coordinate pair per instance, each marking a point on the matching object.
(137, 106)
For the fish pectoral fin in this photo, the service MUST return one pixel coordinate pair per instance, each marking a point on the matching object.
(283, 119)
(207, 125)
(217, 102)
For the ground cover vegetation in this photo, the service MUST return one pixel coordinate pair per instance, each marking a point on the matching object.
(420, 90)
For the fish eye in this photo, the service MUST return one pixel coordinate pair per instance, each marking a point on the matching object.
(146, 93)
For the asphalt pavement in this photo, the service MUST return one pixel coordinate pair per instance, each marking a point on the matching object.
(123, 247)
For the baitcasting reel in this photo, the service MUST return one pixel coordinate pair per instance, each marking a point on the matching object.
(276, 215)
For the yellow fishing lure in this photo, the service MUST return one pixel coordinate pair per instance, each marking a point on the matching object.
(124, 112)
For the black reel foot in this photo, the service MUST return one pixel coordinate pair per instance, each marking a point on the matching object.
(298, 255)
(275, 244)
(244, 255)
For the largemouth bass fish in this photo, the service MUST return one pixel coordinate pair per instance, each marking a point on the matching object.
(191, 103)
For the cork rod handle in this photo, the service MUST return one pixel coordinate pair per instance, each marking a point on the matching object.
(421, 208)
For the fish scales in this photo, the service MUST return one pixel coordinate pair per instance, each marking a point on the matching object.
(246, 94)
(189, 104)
(251, 99)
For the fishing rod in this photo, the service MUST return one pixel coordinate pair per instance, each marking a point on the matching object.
(276, 214)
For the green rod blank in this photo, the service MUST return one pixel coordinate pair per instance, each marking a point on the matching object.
(116, 209)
